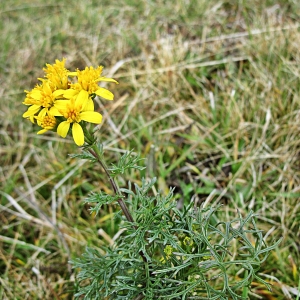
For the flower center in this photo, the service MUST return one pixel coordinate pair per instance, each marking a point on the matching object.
(72, 115)
(47, 100)
(48, 122)
(87, 80)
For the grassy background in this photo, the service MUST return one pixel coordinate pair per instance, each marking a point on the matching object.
(208, 93)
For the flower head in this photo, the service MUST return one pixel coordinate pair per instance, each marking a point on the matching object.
(47, 123)
(88, 80)
(41, 100)
(64, 100)
(57, 74)
(74, 111)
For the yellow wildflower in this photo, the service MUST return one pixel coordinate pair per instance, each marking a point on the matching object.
(47, 123)
(88, 84)
(73, 102)
(75, 110)
(41, 100)
(57, 74)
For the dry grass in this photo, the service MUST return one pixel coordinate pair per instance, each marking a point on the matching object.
(209, 93)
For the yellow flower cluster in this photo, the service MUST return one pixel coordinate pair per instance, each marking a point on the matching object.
(64, 100)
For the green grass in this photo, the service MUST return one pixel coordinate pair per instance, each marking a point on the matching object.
(208, 93)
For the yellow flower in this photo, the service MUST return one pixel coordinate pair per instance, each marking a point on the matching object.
(56, 97)
(47, 123)
(41, 100)
(76, 110)
(88, 84)
(57, 74)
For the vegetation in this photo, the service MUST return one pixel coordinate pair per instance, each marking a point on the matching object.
(208, 95)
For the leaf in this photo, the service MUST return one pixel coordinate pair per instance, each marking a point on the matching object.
(84, 155)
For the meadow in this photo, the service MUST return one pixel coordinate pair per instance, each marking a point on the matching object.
(208, 94)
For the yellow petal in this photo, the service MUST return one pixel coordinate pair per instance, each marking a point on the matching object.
(54, 111)
(58, 93)
(47, 88)
(104, 93)
(91, 116)
(70, 93)
(34, 107)
(35, 94)
(43, 112)
(107, 79)
(29, 113)
(32, 110)
(89, 105)
(78, 135)
(42, 131)
(61, 104)
(81, 99)
(63, 129)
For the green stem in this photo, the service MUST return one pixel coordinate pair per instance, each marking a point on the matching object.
(93, 149)
(245, 288)
(87, 136)
(95, 152)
